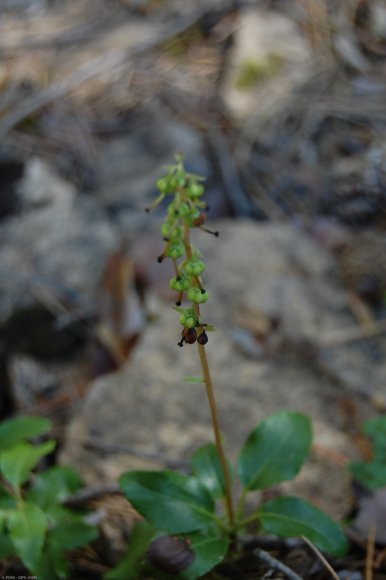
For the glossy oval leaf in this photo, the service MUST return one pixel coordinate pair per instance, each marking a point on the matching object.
(207, 468)
(14, 431)
(53, 486)
(16, 463)
(209, 548)
(27, 529)
(371, 474)
(169, 501)
(290, 517)
(275, 450)
(72, 535)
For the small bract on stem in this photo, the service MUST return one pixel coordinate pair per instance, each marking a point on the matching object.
(185, 212)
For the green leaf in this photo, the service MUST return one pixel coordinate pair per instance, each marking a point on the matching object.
(207, 468)
(27, 528)
(193, 380)
(53, 486)
(14, 431)
(65, 536)
(129, 566)
(290, 516)
(53, 562)
(74, 534)
(7, 500)
(371, 475)
(6, 547)
(169, 501)
(209, 548)
(375, 429)
(17, 462)
(3, 519)
(275, 450)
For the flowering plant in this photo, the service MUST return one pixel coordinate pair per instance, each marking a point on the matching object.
(188, 535)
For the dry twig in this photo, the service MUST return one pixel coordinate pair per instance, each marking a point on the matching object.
(321, 558)
(275, 564)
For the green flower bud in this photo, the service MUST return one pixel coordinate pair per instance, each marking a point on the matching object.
(195, 190)
(180, 283)
(163, 185)
(180, 180)
(185, 209)
(173, 184)
(188, 319)
(194, 267)
(204, 296)
(173, 210)
(197, 296)
(165, 230)
(176, 233)
(175, 251)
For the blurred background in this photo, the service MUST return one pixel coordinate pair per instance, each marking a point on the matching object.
(281, 105)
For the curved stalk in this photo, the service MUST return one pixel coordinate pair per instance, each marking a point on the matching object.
(217, 433)
(212, 406)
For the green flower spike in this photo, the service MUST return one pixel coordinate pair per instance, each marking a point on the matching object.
(185, 211)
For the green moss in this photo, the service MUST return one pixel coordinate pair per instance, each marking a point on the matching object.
(253, 71)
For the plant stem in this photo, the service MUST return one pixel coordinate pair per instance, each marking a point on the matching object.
(212, 405)
(249, 520)
(217, 433)
(240, 504)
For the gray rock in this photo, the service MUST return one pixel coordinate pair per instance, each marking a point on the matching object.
(59, 241)
(145, 416)
(33, 380)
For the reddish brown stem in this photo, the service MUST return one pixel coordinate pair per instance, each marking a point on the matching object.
(213, 407)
